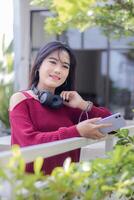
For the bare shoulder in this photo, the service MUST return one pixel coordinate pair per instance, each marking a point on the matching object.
(15, 99)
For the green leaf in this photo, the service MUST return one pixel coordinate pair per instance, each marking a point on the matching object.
(115, 19)
(38, 165)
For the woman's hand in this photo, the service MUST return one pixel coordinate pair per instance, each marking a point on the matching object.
(74, 100)
(89, 129)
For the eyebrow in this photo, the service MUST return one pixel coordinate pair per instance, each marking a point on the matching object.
(58, 60)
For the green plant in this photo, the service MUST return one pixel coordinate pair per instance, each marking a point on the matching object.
(5, 93)
(94, 180)
(6, 82)
(115, 18)
(124, 137)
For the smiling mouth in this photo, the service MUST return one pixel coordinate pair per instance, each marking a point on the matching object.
(54, 77)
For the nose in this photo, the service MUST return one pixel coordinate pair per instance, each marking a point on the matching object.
(57, 69)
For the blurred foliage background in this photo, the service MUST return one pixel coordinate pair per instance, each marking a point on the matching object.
(6, 82)
(114, 17)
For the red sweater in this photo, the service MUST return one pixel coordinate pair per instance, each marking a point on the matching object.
(32, 124)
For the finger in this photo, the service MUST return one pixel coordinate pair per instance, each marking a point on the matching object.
(93, 120)
(64, 95)
(101, 135)
(104, 125)
(68, 94)
(96, 137)
(61, 94)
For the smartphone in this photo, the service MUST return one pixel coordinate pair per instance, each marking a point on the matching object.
(116, 120)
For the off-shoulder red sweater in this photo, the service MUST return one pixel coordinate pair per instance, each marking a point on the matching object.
(32, 124)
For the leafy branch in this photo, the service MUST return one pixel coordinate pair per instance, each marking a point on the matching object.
(124, 137)
(94, 180)
(115, 18)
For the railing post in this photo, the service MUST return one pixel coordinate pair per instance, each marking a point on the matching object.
(109, 143)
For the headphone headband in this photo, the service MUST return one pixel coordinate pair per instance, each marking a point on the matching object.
(35, 90)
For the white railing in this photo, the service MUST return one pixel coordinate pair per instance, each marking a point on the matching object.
(47, 150)
(54, 148)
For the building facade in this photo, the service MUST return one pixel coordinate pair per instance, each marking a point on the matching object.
(105, 68)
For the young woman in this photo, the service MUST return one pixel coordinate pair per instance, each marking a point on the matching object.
(50, 109)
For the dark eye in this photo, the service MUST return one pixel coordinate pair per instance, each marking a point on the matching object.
(53, 62)
(66, 66)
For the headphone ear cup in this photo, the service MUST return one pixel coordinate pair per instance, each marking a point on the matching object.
(57, 101)
(46, 98)
(53, 101)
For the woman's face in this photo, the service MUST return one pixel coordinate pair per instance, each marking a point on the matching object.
(54, 70)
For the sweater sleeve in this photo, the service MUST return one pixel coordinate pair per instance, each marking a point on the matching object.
(93, 113)
(99, 112)
(24, 133)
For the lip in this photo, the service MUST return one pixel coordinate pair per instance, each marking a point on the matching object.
(54, 77)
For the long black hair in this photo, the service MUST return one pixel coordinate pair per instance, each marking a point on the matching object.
(42, 54)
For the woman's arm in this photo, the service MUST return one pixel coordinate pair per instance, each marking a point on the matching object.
(74, 100)
(23, 131)
(24, 134)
